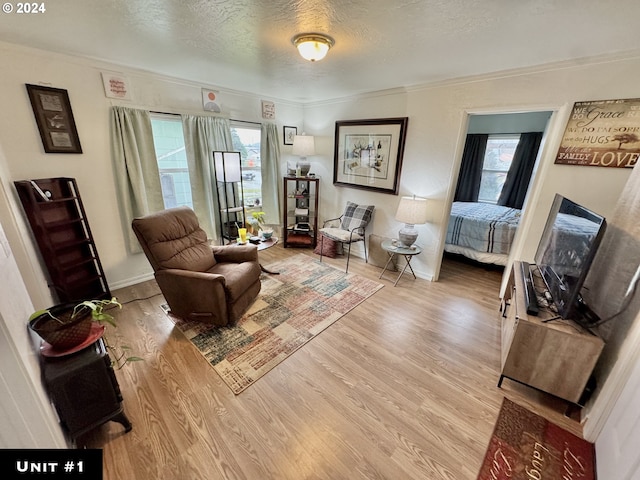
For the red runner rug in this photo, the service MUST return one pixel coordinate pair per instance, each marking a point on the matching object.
(526, 446)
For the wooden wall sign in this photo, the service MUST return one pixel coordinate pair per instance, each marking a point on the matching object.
(604, 133)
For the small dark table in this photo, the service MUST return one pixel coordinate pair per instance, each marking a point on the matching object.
(84, 389)
(263, 245)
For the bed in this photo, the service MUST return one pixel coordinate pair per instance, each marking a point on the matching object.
(481, 231)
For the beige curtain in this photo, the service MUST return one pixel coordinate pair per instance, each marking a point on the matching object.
(270, 171)
(136, 168)
(203, 135)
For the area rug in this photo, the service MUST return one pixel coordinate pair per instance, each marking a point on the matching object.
(292, 308)
(526, 446)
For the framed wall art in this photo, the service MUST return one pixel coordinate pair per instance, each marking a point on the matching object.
(368, 154)
(54, 117)
(288, 133)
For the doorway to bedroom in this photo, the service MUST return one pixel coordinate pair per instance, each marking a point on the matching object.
(498, 160)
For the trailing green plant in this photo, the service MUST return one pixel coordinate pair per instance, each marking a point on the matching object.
(119, 357)
(97, 311)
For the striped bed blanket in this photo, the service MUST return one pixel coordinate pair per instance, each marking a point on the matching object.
(483, 227)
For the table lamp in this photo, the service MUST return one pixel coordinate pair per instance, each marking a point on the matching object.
(303, 146)
(411, 211)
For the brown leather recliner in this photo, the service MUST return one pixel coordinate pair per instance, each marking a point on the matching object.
(213, 284)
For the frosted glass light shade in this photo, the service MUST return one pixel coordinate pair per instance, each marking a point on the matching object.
(312, 46)
(227, 166)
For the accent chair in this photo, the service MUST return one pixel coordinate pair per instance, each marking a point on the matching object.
(348, 228)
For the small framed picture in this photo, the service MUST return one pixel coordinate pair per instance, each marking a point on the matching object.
(288, 133)
(54, 117)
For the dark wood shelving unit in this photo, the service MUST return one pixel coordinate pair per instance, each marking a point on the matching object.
(60, 226)
(300, 208)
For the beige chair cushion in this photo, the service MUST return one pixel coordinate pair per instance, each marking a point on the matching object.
(340, 234)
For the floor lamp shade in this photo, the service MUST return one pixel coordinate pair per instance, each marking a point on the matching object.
(227, 166)
(411, 211)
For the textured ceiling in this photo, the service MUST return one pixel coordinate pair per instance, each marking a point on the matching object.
(246, 44)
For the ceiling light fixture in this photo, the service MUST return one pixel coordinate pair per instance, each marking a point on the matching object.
(312, 46)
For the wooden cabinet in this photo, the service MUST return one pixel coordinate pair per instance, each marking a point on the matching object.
(60, 226)
(556, 357)
(300, 211)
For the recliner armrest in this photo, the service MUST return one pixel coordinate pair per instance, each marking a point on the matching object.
(193, 276)
(235, 253)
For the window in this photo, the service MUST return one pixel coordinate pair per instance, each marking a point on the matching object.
(246, 140)
(497, 160)
(168, 140)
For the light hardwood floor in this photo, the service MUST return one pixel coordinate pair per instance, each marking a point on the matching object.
(402, 387)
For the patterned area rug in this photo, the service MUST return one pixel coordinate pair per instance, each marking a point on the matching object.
(292, 308)
(526, 446)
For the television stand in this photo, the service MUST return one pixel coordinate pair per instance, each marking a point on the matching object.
(555, 357)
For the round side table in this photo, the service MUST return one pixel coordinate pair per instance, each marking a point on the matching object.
(407, 252)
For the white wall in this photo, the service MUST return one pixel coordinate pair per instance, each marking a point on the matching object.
(26, 416)
(25, 157)
(437, 128)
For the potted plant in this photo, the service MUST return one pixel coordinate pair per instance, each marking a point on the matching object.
(68, 325)
(257, 223)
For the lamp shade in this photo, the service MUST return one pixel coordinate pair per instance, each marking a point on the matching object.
(303, 145)
(312, 46)
(412, 210)
(227, 166)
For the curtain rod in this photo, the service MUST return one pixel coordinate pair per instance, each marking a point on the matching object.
(178, 114)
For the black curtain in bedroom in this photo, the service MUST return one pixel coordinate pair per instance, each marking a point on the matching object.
(517, 181)
(471, 168)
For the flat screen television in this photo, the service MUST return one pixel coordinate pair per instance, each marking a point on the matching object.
(566, 250)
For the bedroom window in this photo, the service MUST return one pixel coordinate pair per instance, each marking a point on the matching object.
(497, 160)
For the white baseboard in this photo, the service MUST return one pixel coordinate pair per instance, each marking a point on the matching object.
(131, 281)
